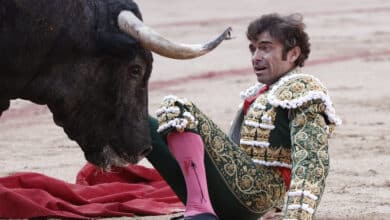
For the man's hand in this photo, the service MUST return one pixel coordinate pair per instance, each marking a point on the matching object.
(273, 214)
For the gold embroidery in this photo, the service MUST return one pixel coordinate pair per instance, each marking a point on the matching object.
(262, 134)
(280, 154)
(258, 152)
(174, 113)
(311, 159)
(258, 188)
(250, 135)
(305, 215)
(297, 87)
(285, 95)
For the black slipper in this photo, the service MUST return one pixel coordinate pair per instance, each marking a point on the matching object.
(202, 216)
(180, 217)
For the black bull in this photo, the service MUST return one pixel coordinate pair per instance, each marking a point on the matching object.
(73, 57)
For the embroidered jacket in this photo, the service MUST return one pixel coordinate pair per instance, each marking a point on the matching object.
(288, 126)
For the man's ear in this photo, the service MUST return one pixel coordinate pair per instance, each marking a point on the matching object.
(293, 54)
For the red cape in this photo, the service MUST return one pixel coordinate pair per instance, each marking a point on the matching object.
(128, 191)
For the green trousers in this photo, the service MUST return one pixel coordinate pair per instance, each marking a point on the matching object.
(238, 188)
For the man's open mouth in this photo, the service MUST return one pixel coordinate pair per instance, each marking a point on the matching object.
(260, 68)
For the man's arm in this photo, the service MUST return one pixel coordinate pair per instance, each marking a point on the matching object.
(310, 160)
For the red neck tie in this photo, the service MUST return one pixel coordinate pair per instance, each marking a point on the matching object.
(248, 101)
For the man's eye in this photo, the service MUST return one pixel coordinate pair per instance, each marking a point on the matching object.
(265, 48)
(135, 70)
(252, 49)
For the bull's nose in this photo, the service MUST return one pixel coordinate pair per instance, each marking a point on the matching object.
(146, 151)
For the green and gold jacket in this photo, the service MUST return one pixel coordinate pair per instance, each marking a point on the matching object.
(288, 126)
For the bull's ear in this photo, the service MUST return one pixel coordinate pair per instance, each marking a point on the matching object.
(117, 44)
(115, 7)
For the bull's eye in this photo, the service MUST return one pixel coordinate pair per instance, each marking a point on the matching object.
(135, 70)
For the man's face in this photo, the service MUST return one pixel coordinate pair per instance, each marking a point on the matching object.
(267, 59)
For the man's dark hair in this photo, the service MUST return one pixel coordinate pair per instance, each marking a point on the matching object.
(289, 30)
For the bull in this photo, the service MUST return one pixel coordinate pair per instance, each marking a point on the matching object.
(89, 61)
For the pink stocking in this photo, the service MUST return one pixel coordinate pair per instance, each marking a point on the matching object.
(188, 149)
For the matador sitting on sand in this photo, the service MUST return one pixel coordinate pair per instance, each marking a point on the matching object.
(276, 154)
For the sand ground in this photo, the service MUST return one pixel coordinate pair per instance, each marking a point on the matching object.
(350, 54)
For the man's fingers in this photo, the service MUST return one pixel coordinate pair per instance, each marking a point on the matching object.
(272, 215)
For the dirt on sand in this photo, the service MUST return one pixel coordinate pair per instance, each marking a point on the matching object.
(350, 43)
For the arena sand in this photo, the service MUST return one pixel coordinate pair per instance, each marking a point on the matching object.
(350, 54)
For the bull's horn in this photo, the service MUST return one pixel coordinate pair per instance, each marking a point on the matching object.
(153, 41)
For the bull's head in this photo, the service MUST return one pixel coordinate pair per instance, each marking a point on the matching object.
(103, 106)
